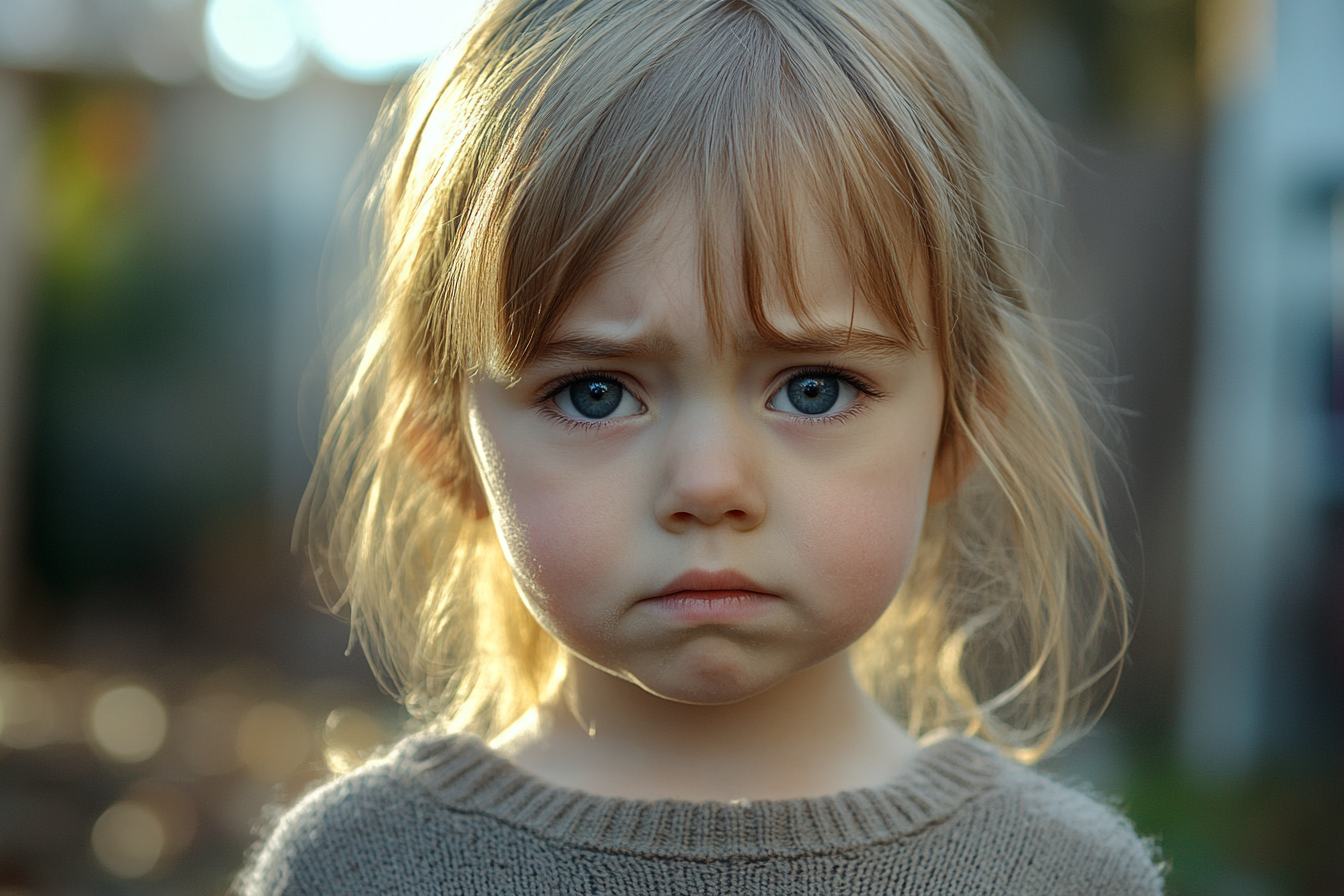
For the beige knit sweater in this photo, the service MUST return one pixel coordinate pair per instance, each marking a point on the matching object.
(446, 815)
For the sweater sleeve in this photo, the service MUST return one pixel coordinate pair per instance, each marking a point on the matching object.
(363, 833)
(309, 848)
(1075, 844)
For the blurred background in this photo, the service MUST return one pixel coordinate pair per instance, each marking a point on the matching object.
(169, 174)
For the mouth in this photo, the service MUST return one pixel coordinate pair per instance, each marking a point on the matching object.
(701, 597)
(699, 580)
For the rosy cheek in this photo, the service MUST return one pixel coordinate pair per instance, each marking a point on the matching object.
(575, 538)
(863, 544)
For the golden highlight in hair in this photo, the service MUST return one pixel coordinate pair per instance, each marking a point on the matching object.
(520, 160)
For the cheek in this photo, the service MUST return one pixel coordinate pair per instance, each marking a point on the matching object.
(573, 532)
(569, 531)
(860, 540)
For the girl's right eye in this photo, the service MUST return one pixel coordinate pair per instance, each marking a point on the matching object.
(595, 397)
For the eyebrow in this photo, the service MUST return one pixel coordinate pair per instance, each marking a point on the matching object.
(596, 348)
(822, 341)
(826, 341)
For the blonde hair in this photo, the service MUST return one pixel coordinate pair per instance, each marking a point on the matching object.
(523, 155)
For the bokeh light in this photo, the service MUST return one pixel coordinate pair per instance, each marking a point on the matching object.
(127, 723)
(274, 741)
(254, 48)
(159, 40)
(128, 839)
(349, 737)
(28, 712)
(373, 42)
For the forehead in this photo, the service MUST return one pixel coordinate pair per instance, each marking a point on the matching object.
(671, 274)
(669, 280)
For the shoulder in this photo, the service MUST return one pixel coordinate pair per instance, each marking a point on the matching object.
(357, 833)
(1048, 837)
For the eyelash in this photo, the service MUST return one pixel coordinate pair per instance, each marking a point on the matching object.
(863, 386)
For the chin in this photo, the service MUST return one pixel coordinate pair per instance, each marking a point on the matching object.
(711, 677)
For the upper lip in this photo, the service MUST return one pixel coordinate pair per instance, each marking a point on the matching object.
(706, 580)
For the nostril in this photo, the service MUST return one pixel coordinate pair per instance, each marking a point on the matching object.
(682, 519)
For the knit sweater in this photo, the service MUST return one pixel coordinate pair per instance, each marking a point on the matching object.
(446, 815)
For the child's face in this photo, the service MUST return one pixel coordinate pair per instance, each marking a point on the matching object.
(706, 522)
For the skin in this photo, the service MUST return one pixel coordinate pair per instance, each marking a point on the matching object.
(707, 464)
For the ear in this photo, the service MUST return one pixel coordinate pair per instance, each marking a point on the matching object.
(954, 463)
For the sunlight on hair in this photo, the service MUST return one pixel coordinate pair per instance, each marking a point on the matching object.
(274, 741)
(128, 839)
(127, 723)
(254, 48)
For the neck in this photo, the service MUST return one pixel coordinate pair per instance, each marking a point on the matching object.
(816, 733)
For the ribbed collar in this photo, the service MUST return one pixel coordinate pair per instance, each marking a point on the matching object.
(469, 777)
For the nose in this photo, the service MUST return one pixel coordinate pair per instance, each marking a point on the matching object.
(713, 476)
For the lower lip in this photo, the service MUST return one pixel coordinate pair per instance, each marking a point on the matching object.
(708, 607)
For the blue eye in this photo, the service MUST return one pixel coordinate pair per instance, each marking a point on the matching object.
(814, 395)
(595, 398)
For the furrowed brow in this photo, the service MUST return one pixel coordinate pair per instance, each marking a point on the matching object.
(826, 341)
(596, 348)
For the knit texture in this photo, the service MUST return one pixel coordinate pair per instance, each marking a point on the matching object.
(446, 815)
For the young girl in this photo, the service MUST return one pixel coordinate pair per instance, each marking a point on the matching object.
(706, 475)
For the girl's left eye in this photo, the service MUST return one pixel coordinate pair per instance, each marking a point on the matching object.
(595, 397)
(814, 394)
